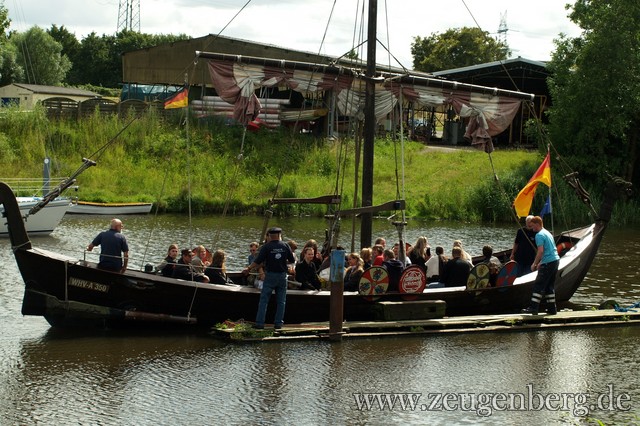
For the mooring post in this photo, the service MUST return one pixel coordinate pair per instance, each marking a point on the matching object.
(336, 300)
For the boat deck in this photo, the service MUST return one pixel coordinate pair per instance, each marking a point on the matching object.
(463, 324)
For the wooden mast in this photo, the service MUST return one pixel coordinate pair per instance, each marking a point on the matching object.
(369, 126)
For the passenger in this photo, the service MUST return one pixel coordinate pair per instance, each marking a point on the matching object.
(293, 246)
(253, 252)
(366, 256)
(394, 268)
(354, 272)
(317, 256)
(435, 265)
(456, 270)
(305, 271)
(167, 266)
(114, 255)
(381, 242)
(524, 247)
(396, 253)
(199, 260)
(217, 271)
(420, 253)
(464, 255)
(378, 255)
(493, 263)
(184, 269)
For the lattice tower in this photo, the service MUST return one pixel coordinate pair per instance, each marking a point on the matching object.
(129, 15)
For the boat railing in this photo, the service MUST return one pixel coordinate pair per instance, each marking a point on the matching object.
(32, 187)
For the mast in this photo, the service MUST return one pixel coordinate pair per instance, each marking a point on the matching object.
(369, 126)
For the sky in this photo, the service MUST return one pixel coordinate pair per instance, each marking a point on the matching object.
(301, 24)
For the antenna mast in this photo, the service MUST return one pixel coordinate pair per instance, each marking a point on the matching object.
(129, 15)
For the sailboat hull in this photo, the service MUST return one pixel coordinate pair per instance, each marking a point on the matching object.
(42, 223)
(69, 291)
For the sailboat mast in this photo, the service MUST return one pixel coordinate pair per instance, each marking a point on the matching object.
(369, 126)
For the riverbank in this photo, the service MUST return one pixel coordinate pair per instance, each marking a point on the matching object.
(155, 161)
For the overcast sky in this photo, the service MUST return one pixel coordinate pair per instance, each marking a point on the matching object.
(300, 24)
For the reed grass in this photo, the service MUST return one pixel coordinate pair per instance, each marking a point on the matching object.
(160, 160)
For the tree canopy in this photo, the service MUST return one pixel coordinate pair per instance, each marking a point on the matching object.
(456, 48)
(40, 56)
(595, 87)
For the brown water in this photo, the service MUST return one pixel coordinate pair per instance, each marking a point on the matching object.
(50, 376)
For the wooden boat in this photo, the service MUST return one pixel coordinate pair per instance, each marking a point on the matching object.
(113, 209)
(71, 291)
(42, 223)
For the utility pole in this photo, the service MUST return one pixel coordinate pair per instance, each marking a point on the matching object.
(129, 15)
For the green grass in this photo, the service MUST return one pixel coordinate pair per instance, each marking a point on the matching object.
(154, 160)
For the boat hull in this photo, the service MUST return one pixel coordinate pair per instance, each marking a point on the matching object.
(113, 209)
(68, 291)
(42, 223)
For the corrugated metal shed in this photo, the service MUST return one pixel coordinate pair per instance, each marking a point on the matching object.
(27, 95)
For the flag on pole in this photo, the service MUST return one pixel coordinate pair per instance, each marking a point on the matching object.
(546, 209)
(179, 100)
(523, 201)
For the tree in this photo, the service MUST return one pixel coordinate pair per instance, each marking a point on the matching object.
(4, 23)
(40, 56)
(70, 48)
(456, 48)
(595, 87)
(10, 70)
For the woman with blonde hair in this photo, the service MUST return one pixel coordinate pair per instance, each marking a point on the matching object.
(217, 271)
(354, 272)
(420, 253)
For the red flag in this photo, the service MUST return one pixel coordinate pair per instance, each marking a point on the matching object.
(179, 100)
(523, 201)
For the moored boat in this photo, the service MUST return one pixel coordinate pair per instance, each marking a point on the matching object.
(113, 209)
(43, 223)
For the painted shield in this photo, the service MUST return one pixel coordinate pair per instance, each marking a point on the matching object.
(478, 277)
(373, 283)
(508, 274)
(412, 282)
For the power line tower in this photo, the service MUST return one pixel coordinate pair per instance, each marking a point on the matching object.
(129, 15)
(502, 31)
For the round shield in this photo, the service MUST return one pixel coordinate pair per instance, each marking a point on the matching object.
(508, 274)
(373, 283)
(478, 277)
(412, 282)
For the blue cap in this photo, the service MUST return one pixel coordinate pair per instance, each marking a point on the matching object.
(274, 231)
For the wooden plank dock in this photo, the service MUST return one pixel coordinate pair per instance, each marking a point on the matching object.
(463, 324)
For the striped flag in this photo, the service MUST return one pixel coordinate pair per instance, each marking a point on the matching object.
(523, 201)
(179, 100)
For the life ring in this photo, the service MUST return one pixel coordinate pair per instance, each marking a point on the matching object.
(563, 247)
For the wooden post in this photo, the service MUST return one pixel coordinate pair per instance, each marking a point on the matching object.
(336, 299)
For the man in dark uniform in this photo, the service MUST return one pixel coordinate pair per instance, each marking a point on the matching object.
(456, 270)
(114, 255)
(524, 247)
(276, 255)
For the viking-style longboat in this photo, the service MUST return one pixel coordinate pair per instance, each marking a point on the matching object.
(71, 291)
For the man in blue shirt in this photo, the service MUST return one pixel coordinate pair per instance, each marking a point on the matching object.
(546, 263)
(114, 255)
(276, 256)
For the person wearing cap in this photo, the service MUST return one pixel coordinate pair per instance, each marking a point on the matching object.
(275, 256)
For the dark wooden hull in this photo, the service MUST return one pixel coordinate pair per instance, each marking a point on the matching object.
(68, 291)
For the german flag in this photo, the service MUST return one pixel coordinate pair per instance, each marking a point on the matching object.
(523, 201)
(179, 100)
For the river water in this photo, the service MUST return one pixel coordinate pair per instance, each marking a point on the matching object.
(50, 376)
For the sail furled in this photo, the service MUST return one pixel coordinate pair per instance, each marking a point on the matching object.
(236, 79)
(522, 203)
